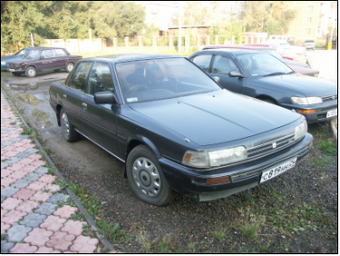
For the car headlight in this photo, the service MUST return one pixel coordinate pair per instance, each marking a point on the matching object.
(207, 159)
(306, 100)
(301, 129)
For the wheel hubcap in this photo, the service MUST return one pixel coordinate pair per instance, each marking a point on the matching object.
(65, 124)
(146, 177)
(69, 67)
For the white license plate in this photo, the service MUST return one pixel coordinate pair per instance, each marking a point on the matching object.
(11, 70)
(277, 170)
(332, 113)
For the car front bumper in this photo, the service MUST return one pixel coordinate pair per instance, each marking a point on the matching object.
(191, 183)
(321, 111)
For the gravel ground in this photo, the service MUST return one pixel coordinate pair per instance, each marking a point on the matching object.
(294, 213)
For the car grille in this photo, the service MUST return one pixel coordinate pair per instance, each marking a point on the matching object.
(329, 97)
(271, 147)
(11, 65)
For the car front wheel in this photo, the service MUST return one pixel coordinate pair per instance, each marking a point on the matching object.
(146, 177)
(68, 131)
(69, 67)
(31, 72)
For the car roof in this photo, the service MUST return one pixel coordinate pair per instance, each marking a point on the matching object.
(131, 57)
(232, 52)
(249, 47)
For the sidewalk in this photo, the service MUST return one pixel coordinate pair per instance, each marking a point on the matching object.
(34, 216)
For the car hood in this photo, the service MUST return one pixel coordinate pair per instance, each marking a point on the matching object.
(299, 85)
(216, 117)
(10, 58)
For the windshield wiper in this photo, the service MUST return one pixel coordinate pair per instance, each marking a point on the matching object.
(277, 73)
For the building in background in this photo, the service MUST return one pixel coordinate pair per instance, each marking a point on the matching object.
(313, 19)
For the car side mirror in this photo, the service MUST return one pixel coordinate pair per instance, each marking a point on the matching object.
(236, 74)
(216, 79)
(105, 97)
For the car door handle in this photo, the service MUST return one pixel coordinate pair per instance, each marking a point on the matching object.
(64, 96)
(84, 105)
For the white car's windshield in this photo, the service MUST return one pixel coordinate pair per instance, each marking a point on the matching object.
(261, 64)
(161, 79)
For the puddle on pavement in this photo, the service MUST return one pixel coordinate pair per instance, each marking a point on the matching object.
(41, 117)
(28, 99)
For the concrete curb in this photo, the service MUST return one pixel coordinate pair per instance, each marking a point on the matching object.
(88, 218)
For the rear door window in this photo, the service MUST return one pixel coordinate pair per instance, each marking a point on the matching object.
(223, 65)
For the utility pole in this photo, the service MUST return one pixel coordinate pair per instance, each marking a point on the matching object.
(179, 28)
(32, 43)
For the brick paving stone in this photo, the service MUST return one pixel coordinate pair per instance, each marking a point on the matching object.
(35, 157)
(41, 171)
(38, 237)
(5, 173)
(46, 208)
(38, 163)
(3, 212)
(47, 178)
(7, 192)
(17, 175)
(65, 211)
(52, 187)
(73, 227)
(25, 161)
(4, 227)
(27, 206)
(41, 196)
(24, 194)
(84, 244)
(7, 181)
(10, 203)
(33, 220)
(58, 197)
(20, 184)
(60, 241)
(17, 233)
(31, 177)
(6, 246)
(37, 186)
(46, 250)
(29, 168)
(23, 248)
(53, 223)
(12, 217)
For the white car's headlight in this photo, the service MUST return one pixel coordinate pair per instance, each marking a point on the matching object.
(306, 100)
(207, 159)
(301, 130)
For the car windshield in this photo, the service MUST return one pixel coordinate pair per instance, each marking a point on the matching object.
(274, 53)
(162, 79)
(261, 64)
(23, 51)
(33, 54)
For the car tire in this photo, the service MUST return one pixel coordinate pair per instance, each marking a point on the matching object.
(269, 101)
(69, 67)
(68, 131)
(146, 177)
(30, 72)
(16, 73)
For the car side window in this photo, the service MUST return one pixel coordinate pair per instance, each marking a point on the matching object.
(47, 54)
(59, 53)
(203, 61)
(100, 78)
(223, 65)
(79, 77)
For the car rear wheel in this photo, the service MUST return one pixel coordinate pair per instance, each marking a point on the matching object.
(69, 67)
(31, 72)
(146, 177)
(68, 131)
(16, 73)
